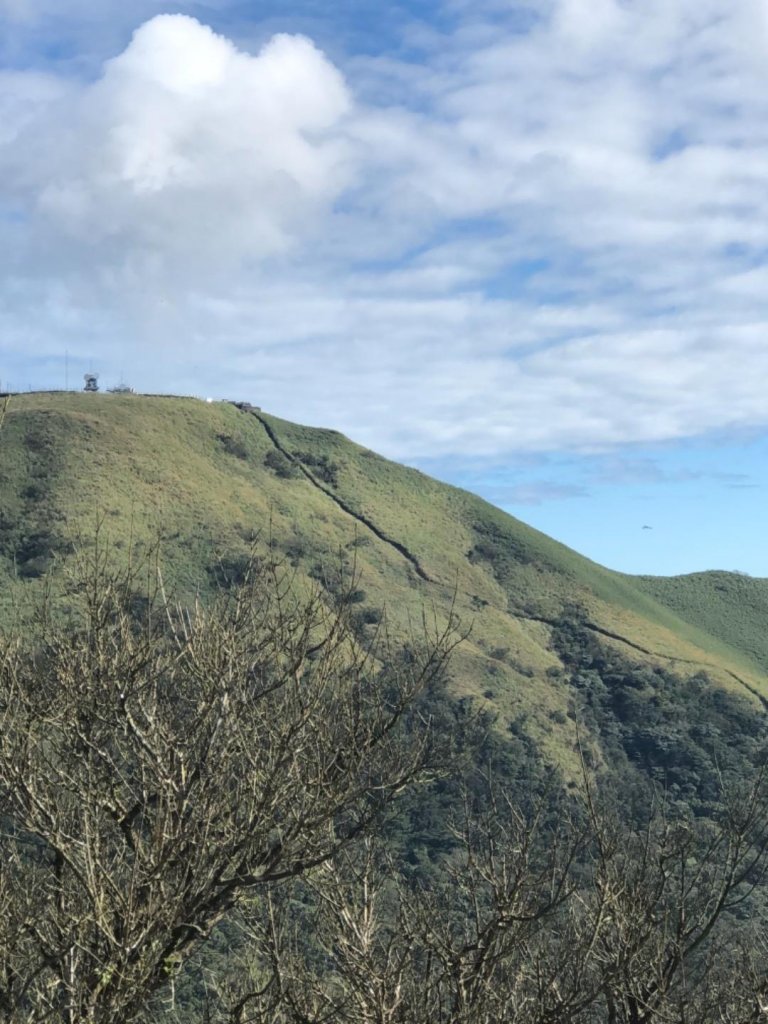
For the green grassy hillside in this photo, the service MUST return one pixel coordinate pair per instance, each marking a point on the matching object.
(730, 606)
(207, 477)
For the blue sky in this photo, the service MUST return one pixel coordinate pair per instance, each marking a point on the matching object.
(523, 246)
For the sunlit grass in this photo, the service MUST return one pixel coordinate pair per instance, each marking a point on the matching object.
(199, 477)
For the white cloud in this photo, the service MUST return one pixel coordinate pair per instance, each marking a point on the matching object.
(548, 236)
(184, 144)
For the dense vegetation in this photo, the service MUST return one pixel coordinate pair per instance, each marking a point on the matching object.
(261, 811)
(580, 834)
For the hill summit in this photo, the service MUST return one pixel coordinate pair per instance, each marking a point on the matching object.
(207, 478)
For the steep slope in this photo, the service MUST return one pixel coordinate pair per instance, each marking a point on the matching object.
(207, 478)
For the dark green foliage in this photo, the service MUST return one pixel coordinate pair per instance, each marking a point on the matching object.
(323, 467)
(688, 735)
(499, 548)
(368, 616)
(281, 465)
(230, 570)
(34, 554)
(234, 446)
(28, 538)
(467, 750)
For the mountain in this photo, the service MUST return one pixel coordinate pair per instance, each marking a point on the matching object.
(206, 478)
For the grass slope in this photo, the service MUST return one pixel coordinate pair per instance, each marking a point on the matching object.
(206, 478)
(730, 606)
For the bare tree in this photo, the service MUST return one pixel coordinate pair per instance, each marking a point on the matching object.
(666, 951)
(163, 769)
(386, 951)
(539, 918)
(158, 763)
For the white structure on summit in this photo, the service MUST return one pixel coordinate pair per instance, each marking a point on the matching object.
(91, 382)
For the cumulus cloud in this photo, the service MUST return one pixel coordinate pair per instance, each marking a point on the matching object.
(548, 232)
(183, 153)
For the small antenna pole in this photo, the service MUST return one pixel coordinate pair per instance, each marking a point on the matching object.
(66, 369)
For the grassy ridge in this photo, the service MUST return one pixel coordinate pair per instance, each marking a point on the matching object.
(515, 568)
(730, 606)
(206, 478)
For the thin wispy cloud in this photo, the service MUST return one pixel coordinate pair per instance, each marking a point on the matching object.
(535, 493)
(526, 227)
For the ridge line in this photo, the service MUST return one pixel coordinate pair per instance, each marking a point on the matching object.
(654, 654)
(359, 516)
